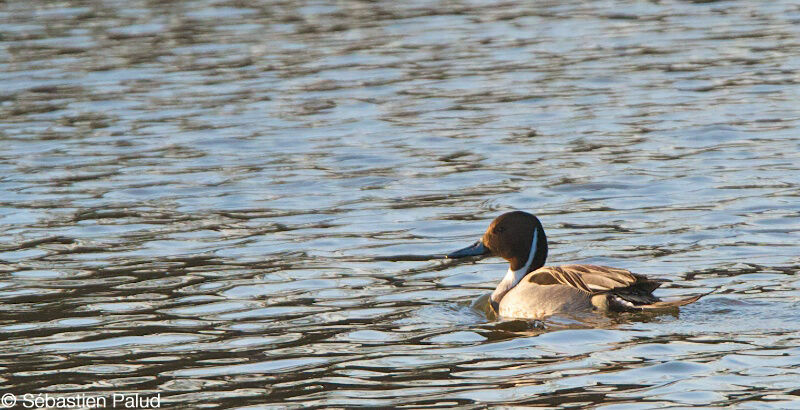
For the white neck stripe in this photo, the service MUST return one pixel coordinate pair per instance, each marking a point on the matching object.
(524, 269)
(521, 272)
(513, 277)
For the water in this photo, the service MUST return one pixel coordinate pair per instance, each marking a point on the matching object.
(195, 199)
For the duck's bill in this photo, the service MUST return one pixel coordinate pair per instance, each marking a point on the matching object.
(476, 249)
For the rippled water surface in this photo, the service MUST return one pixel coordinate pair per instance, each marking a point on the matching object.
(196, 199)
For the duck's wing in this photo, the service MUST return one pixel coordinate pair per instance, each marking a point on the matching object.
(620, 289)
(593, 279)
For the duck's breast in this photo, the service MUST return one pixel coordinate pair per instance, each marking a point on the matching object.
(533, 301)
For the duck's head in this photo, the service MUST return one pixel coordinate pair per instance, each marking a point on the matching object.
(517, 237)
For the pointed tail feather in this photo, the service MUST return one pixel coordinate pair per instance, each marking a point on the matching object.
(671, 304)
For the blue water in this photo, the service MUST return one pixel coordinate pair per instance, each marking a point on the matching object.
(196, 199)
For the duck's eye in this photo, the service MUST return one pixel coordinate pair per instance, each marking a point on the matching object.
(499, 229)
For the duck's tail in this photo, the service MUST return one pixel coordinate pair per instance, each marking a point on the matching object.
(674, 303)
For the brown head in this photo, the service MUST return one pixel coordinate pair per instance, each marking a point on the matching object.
(510, 236)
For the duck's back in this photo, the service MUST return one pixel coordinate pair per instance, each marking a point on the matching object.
(577, 288)
(592, 278)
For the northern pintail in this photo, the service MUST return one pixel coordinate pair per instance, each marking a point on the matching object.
(531, 290)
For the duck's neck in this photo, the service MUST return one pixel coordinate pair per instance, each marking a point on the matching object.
(536, 257)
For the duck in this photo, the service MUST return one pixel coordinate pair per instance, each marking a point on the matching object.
(531, 290)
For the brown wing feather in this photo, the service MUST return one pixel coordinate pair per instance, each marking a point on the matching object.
(592, 278)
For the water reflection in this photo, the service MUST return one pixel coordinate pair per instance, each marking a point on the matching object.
(195, 198)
